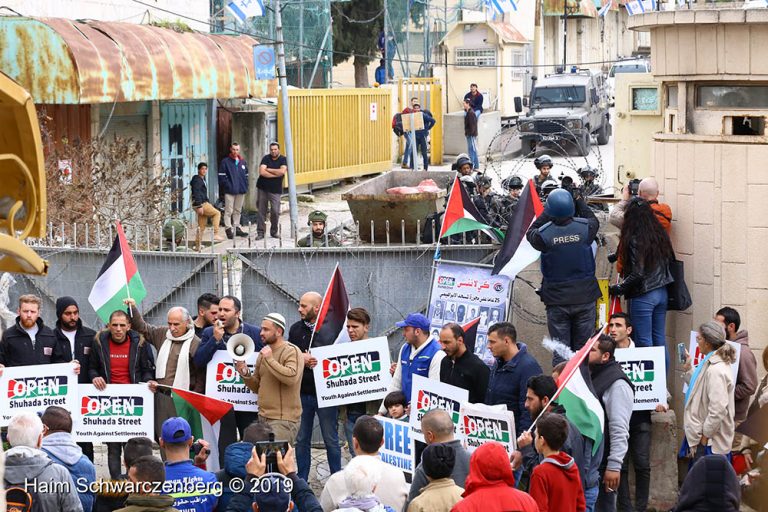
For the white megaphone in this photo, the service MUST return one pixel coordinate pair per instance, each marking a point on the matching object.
(240, 347)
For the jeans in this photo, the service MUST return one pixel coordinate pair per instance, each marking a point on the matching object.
(606, 501)
(649, 313)
(268, 200)
(115, 460)
(472, 151)
(590, 496)
(572, 325)
(349, 426)
(421, 146)
(640, 451)
(407, 154)
(329, 419)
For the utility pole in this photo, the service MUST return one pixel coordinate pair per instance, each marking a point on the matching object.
(301, 44)
(387, 56)
(565, 32)
(292, 202)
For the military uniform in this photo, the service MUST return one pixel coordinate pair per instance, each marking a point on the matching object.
(324, 240)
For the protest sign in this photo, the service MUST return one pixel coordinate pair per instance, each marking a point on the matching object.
(645, 368)
(461, 293)
(428, 394)
(116, 414)
(697, 357)
(223, 382)
(347, 373)
(34, 388)
(397, 449)
(486, 423)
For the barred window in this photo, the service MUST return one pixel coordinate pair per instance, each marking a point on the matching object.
(518, 59)
(475, 57)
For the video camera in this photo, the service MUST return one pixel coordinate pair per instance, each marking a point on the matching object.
(567, 183)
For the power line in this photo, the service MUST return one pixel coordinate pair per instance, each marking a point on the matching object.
(262, 39)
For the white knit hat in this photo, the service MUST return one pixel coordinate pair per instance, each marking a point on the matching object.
(277, 319)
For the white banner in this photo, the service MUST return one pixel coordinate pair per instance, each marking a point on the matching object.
(645, 367)
(428, 394)
(35, 388)
(697, 357)
(353, 372)
(118, 413)
(488, 423)
(223, 382)
(397, 449)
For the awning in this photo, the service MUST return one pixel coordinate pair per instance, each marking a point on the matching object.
(577, 8)
(76, 62)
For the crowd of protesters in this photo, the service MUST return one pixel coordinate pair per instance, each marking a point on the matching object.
(555, 467)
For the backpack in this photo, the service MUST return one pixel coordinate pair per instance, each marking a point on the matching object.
(19, 500)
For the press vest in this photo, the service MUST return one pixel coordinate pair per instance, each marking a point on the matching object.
(569, 252)
(419, 365)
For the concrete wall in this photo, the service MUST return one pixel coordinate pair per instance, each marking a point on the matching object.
(454, 141)
(250, 130)
(118, 10)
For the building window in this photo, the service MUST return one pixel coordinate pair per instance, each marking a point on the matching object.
(472, 57)
(518, 59)
(645, 99)
(727, 97)
(672, 96)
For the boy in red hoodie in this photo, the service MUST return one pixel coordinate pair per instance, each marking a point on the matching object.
(555, 483)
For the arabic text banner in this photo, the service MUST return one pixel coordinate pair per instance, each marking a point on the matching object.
(354, 372)
(34, 388)
(482, 424)
(461, 293)
(397, 449)
(222, 381)
(697, 357)
(645, 367)
(118, 413)
(428, 394)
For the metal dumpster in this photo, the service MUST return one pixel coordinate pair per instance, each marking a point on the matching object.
(369, 202)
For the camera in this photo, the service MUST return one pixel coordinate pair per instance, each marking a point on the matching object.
(634, 187)
(567, 183)
(270, 449)
(198, 447)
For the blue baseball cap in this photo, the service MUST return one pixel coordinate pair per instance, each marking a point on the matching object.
(176, 430)
(274, 495)
(416, 320)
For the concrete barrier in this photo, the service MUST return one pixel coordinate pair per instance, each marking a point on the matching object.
(454, 141)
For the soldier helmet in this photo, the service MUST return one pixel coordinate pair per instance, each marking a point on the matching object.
(543, 161)
(316, 216)
(461, 161)
(587, 170)
(560, 204)
(512, 182)
(548, 186)
(483, 182)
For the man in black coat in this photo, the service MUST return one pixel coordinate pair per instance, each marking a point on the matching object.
(462, 368)
(29, 341)
(75, 342)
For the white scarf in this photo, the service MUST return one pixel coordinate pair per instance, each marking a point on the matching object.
(181, 379)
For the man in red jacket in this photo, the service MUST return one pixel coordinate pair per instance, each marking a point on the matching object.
(555, 483)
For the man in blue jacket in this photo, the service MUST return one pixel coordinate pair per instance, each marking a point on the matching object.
(233, 183)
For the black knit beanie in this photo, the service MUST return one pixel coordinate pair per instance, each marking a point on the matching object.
(438, 460)
(63, 303)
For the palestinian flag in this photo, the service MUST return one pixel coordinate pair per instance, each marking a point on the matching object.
(615, 301)
(517, 253)
(470, 334)
(118, 279)
(331, 324)
(576, 395)
(210, 419)
(461, 215)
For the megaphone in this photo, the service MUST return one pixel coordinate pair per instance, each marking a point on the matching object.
(240, 347)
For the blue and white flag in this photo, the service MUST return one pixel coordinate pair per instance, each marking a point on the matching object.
(502, 6)
(244, 9)
(605, 8)
(640, 6)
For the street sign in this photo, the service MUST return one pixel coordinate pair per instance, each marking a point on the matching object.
(264, 62)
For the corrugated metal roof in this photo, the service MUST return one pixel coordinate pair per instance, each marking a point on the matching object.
(64, 61)
(507, 32)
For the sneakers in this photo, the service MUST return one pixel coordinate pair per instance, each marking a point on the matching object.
(228, 231)
(240, 232)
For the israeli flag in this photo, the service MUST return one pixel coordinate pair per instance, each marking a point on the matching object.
(244, 9)
(605, 8)
(502, 6)
(640, 6)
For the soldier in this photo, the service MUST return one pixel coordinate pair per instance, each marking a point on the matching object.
(505, 205)
(318, 237)
(544, 164)
(588, 185)
(484, 199)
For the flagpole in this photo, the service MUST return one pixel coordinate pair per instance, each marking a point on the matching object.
(119, 229)
(322, 304)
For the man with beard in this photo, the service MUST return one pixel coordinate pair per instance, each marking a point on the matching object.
(29, 341)
(216, 337)
(207, 313)
(318, 237)
(300, 334)
(75, 340)
(461, 367)
(276, 379)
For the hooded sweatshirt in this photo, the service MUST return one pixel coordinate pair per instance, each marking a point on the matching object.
(236, 456)
(556, 486)
(63, 450)
(746, 379)
(33, 465)
(710, 486)
(490, 486)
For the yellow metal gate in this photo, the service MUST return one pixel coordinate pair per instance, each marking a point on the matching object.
(430, 96)
(339, 133)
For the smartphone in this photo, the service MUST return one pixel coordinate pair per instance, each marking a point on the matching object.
(681, 353)
(270, 449)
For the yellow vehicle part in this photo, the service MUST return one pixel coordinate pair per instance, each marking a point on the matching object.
(22, 180)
